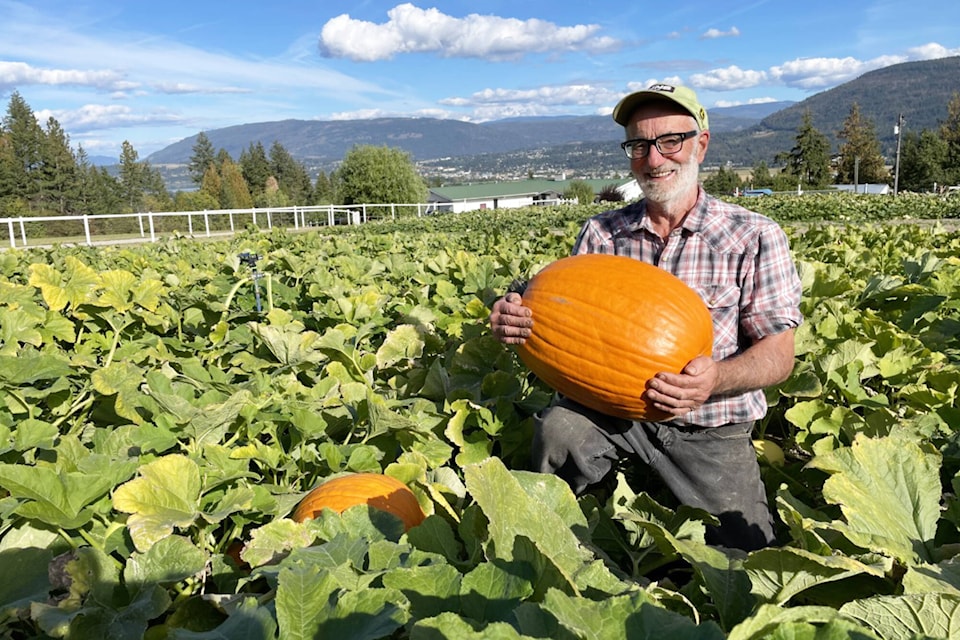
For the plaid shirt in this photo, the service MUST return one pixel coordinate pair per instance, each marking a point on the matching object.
(737, 260)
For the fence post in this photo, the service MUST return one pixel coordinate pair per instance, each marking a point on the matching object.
(206, 223)
(296, 219)
(330, 220)
(189, 224)
(140, 222)
(23, 232)
(86, 229)
(13, 236)
(254, 211)
(153, 235)
(231, 222)
(269, 219)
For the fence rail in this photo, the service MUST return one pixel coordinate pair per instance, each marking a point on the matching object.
(148, 226)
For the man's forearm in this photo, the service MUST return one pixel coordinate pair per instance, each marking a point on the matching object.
(765, 363)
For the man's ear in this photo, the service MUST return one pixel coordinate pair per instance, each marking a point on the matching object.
(703, 141)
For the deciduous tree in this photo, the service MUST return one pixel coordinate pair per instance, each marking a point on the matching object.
(370, 174)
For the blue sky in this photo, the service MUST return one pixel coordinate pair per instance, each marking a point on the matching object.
(153, 73)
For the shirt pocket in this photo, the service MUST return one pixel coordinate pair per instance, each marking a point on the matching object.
(718, 296)
(723, 301)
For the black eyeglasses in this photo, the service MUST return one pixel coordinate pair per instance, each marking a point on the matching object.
(667, 144)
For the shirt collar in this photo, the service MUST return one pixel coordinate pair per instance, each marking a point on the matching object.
(696, 220)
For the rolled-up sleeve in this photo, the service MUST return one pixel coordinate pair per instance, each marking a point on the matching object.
(772, 303)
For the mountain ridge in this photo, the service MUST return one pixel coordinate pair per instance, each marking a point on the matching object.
(741, 135)
(323, 142)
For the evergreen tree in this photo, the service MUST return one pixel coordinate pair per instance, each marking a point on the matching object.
(760, 176)
(809, 159)
(923, 161)
(222, 156)
(59, 175)
(291, 175)
(255, 168)
(22, 156)
(373, 175)
(203, 156)
(323, 190)
(155, 194)
(950, 131)
(131, 178)
(724, 181)
(106, 193)
(84, 181)
(860, 157)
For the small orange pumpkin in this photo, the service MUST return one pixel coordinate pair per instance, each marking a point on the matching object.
(377, 490)
(604, 325)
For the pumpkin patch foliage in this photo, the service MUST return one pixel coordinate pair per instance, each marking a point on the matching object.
(158, 431)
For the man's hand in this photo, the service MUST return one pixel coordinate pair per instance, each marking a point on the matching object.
(510, 321)
(680, 393)
(765, 363)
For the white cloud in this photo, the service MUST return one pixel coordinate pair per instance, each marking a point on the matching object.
(710, 34)
(932, 51)
(819, 73)
(14, 74)
(414, 30)
(183, 87)
(737, 103)
(367, 114)
(811, 74)
(59, 54)
(97, 116)
(728, 79)
(573, 94)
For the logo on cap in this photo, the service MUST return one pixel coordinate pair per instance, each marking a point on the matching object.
(666, 88)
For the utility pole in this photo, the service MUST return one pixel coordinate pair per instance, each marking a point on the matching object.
(897, 131)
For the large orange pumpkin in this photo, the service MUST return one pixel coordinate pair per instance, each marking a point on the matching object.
(374, 489)
(603, 325)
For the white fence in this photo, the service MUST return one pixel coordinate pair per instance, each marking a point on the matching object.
(201, 223)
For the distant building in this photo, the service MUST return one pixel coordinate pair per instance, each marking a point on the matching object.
(517, 193)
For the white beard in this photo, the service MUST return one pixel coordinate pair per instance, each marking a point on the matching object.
(684, 180)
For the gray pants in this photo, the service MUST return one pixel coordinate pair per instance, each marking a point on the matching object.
(714, 468)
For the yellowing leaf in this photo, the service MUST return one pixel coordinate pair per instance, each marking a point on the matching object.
(166, 495)
(73, 287)
(402, 343)
(147, 293)
(889, 492)
(117, 285)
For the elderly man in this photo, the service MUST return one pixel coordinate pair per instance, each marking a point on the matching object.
(740, 264)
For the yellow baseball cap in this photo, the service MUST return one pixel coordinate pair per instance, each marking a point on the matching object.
(683, 96)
